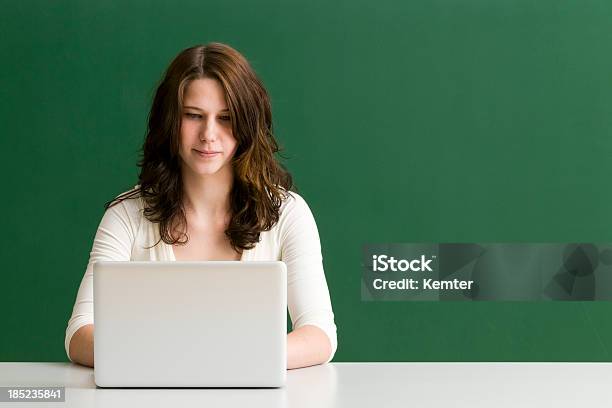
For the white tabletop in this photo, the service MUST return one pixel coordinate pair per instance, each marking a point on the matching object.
(374, 385)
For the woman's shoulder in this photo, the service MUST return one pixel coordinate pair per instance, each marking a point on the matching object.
(294, 208)
(129, 203)
(123, 217)
(296, 224)
(292, 201)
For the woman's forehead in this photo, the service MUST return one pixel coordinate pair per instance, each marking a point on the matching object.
(205, 94)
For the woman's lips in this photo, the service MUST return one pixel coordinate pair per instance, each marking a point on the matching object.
(206, 153)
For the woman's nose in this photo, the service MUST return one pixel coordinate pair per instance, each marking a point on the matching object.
(208, 131)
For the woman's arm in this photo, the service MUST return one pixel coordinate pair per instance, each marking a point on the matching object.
(307, 346)
(82, 346)
(313, 339)
(113, 242)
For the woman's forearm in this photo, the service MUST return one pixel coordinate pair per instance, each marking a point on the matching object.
(81, 347)
(307, 346)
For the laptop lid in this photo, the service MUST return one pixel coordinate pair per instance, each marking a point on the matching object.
(190, 324)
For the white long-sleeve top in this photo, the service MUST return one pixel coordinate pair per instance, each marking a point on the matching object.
(125, 234)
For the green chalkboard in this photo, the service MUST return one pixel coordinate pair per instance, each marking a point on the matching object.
(418, 121)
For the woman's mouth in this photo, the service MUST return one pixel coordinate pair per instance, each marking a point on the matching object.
(206, 153)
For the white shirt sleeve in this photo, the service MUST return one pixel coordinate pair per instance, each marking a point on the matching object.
(308, 297)
(113, 242)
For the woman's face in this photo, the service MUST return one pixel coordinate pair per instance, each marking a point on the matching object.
(207, 144)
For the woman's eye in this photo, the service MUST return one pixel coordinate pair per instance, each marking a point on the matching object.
(198, 116)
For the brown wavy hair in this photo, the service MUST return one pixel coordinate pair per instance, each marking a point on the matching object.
(260, 181)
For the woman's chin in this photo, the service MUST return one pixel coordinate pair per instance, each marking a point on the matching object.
(199, 169)
(206, 170)
(205, 173)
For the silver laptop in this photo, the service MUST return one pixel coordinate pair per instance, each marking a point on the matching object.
(190, 324)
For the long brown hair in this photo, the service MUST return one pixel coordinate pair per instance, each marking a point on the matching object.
(260, 181)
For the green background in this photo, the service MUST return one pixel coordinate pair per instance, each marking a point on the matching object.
(419, 121)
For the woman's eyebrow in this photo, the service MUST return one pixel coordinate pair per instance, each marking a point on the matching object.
(196, 108)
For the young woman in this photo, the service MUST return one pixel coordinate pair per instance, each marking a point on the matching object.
(210, 188)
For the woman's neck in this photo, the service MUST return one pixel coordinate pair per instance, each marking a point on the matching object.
(207, 197)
